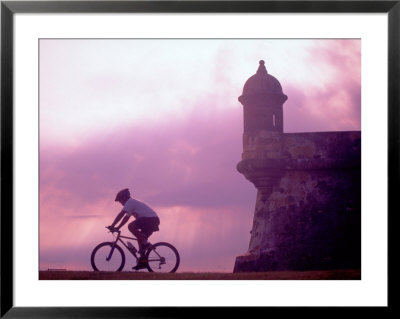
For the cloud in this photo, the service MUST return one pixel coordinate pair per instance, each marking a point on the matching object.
(192, 162)
(83, 216)
(333, 102)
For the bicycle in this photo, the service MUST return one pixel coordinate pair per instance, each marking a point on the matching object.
(109, 256)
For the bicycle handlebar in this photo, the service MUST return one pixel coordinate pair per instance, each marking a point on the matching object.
(113, 230)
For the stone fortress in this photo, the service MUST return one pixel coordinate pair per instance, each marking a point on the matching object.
(308, 208)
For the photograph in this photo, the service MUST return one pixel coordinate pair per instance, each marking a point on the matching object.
(161, 159)
(199, 159)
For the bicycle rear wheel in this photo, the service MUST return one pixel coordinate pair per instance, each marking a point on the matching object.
(162, 257)
(105, 258)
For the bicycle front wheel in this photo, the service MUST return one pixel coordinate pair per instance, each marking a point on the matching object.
(162, 257)
(107, 257)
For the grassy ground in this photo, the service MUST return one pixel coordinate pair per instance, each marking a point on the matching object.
(272, 275)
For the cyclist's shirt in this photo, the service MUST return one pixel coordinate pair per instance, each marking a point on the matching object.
(138, 209)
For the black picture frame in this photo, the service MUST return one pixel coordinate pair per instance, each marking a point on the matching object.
(9, 8)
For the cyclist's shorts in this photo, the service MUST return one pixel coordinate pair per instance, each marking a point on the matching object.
(147, 225)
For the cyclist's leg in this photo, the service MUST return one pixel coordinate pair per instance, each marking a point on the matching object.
(134, 228)
(149, 225)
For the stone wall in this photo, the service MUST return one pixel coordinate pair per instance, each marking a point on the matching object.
(308, 208)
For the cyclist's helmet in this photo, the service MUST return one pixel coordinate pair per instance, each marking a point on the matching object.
(122, 194)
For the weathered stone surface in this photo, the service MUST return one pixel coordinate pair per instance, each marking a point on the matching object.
(311, 220)
(308, 208)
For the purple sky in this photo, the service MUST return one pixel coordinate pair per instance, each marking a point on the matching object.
(162, 118)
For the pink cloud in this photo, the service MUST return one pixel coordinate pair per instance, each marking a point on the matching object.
(203, 150)
(334, 103)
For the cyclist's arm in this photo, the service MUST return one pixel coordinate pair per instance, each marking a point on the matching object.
(118, 218)
(124, 221)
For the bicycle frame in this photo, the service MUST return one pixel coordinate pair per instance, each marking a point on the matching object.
(118, 239)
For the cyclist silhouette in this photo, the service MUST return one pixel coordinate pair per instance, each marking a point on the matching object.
(146, 221)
